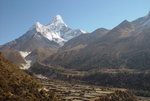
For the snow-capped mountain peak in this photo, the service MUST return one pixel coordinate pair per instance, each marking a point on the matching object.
(58, 31)
(57, 21)
(58, 18)
(38, 26)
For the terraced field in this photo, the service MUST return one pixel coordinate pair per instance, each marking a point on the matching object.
(73, 91)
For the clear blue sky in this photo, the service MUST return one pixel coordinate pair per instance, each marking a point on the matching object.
(17, 16)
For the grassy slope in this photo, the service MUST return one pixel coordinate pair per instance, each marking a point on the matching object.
(15, 85)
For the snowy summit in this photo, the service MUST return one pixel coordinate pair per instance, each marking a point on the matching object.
(57, 30)
(58, 18)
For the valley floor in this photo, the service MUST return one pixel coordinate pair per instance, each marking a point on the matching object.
(74, 91)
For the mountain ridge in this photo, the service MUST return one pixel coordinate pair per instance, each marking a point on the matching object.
(125, 46)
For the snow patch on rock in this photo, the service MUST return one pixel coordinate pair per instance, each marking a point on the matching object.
(40, 76)
(24, 53)
(27, 65)
(28, 62)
